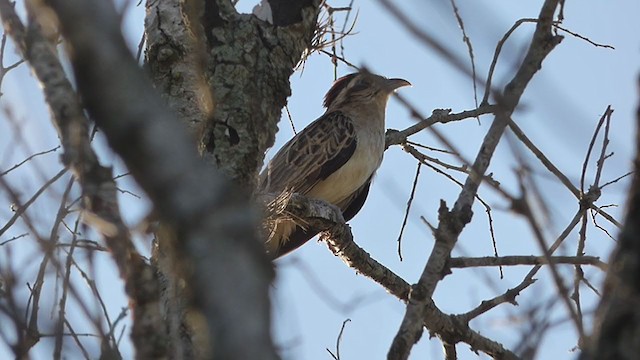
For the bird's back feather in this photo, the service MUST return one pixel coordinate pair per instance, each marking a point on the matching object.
(311, 156)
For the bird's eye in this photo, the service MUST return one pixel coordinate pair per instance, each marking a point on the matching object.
(360, 85)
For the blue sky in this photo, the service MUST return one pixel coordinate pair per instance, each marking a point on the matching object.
(558, 112)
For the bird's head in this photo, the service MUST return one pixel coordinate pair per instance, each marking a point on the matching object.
(362, 88)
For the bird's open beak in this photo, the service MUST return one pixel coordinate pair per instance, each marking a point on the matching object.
(393, 84)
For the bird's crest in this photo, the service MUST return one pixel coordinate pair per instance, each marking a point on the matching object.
(337, 88)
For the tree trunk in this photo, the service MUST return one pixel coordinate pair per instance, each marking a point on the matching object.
(226, 76)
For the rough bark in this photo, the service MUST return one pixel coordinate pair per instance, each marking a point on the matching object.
(226, 75)
(222, 262)
(243, 62)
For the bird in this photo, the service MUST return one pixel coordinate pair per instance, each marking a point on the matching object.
(334, 158)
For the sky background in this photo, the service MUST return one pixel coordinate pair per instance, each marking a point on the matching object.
(314, 291)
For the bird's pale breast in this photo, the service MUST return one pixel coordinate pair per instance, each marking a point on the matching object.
(355, 172)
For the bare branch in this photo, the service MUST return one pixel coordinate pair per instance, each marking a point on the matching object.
(496, 55)
(213, 220)
(27, 160)
(603, 118)
(465, 262)
(617, 314)
(584, 38)
(339, 239)
(395, 137)
(543, 159)
(62, 318)
(96, 180)
(467, 41)
(406, 213)
(23, 207)
(453, 222)
(336, 356)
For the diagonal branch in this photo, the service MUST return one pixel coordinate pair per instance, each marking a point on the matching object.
(452, 222)
(337, 235)
(99, 188)
(222, 260)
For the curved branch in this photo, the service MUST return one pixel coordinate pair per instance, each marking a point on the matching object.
(337, 235)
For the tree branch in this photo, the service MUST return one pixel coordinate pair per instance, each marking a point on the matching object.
(451, 223)
(395, 137)
(99, 188)
(465, 262)
(338, 237)
(617, 322)
(228, 274)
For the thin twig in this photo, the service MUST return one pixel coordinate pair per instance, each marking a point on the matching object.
(616, 180)
(494, 62)
(525, 210)
(336, 356)
(510, 295)
(22, 208)
(57, 351)
(293, 127)
(441, 116)
(406, 213)
(467, 41)
(590, 148)
(584, 38)
(28, 159)
(603, 150)
(518, 260)
(13, 239)
(543, 159)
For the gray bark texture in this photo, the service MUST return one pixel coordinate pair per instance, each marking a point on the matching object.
(226, 76)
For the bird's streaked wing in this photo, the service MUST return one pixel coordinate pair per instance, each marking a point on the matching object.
(311, 156)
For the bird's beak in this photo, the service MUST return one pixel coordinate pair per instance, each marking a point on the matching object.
(393, 84)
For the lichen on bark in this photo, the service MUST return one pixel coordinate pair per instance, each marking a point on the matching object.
(226, 76)
(248, 70)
